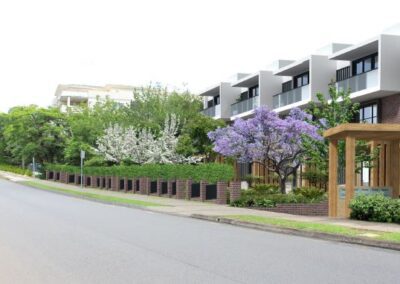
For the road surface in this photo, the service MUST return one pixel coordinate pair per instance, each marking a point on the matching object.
(51, 238)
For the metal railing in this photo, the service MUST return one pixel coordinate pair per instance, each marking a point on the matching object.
(292, 96)
(214, 111)
(359, 82)
(246, 105)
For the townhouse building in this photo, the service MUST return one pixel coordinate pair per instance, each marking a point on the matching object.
(370, 70)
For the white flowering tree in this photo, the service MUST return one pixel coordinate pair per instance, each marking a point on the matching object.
(142, 146)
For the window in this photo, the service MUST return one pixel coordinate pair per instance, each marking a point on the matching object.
(365, 64)
(216, 100)
(343, 74)
(287, 86)
(253, 92)
(369, 113)
(244, 96)
(376, 61)
(301, 80)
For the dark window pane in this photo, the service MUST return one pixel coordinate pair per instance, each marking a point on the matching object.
(367, 64)
(376, 62)
(305, 79)
(359, 67)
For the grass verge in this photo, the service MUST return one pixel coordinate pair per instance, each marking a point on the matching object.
(317, 227)
(94, 196)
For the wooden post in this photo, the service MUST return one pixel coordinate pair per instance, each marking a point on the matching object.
(388, 164)
(333, 169)
(373, 179)
(395, 168)
(350, 172)
(382, 164)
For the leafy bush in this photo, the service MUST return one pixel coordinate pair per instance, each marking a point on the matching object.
(269, 195)
(15, 169)
(376, 208)
(266, 188)
(208, 172)
(309, 192)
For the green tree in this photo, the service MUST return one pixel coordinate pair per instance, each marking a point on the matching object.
(87, 124)
(152, 104)
(194, 140)
(329, 112)
(35, 132)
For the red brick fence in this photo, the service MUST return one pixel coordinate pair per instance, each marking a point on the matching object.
(305, 209)
(179, 189)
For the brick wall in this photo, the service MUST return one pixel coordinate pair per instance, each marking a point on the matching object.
(305, 209)
(390, 109)
(234, 190)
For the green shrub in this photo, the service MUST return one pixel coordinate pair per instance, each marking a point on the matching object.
(376, 207)
(208, 172)
(309, 192)
(15, 169)
(266, 188)
(266, 196)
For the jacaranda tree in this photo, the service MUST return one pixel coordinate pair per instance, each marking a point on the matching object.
(266, 138)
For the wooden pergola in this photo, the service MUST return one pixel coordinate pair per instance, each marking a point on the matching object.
(384, 176)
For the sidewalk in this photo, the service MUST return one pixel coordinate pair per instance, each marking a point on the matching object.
(189, 208)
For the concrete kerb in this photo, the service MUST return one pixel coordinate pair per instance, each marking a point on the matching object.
(302, 233)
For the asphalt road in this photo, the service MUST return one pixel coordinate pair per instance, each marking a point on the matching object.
(50, 238)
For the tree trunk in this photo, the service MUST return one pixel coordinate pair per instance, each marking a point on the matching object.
(282, 185)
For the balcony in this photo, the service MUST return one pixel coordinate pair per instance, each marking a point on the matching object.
(214, 111)
(246, 105)
(291, 97)
(359, 82)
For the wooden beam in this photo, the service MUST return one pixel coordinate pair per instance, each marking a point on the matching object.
(350, 172)
(395, 168)
(333, 169)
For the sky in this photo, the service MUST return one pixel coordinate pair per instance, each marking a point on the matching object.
(176, 43)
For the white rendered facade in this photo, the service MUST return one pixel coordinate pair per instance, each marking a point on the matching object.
(69, 96)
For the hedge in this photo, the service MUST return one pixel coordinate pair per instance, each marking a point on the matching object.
(209, 172)
(15, 169)
(376, 207)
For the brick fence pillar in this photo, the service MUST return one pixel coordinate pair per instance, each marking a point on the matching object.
(93, 181)
(159, 181)
(47, 175)
(203, 190)
(189, 189)
(62, 177)
(180, 189)
(115, 183)
(235, 189)
(77, 179)
(144, 184)
(169, 188)
(134, 185)
(125, 184)
(221, 192)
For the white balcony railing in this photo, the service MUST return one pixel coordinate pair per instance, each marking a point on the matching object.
(246, 105)
(359, 82)
(214, 111)
(292, 96)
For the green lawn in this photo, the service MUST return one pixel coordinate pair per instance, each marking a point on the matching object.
(93, 196)
(317, 227)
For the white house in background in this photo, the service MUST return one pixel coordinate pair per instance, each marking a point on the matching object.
(67, 96)
(218, 99)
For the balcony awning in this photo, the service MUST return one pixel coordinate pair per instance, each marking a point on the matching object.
(248, 81)
(295, 68)
(211, 92)
(357, 51)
